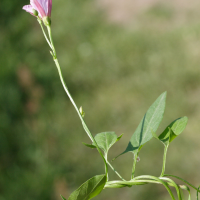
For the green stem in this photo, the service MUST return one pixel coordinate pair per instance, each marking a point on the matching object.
(106, 158)
(183, 181)
(115, 171)
(71, 99)
(164, 160)
(175, 185)
(198, 193)
(51, 40)
(137, 181)
(158, 180)
(134, 164)
(40, 22)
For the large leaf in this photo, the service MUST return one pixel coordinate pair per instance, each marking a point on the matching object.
(149, 123)
(105, 140)
(89, 189)
(173, 130)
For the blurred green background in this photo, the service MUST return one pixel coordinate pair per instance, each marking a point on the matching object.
(117, 57)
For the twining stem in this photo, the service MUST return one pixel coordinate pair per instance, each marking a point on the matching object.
(134, 164)
(197, 189)
(71, 99)
(164, 160)
(175, 185)
(142, 181)
(158, 180)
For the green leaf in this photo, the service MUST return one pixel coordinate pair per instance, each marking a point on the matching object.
(118, 138)
(63, 197)
(89, 189)
(149, 123)
(105, 140)
(90, 145)
(173, 130)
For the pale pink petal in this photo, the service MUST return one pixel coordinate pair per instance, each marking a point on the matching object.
(28, 8)
(43, 3)
(36, 5)
(49, 8)
(42, 6)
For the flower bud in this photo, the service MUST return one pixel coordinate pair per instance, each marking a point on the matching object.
(81, 111)
(35, 12)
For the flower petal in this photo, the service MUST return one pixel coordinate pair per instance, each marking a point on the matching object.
(49, 8)
(37, 6)
(28, 8)
(41, 2)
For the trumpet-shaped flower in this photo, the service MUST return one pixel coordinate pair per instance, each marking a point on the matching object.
(43, 7)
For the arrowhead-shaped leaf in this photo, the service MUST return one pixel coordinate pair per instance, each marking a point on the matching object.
(149, 123)
(89, 189)
(173, 130)
(105, 140)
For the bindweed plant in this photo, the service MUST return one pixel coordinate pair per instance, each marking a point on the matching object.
(145, 131)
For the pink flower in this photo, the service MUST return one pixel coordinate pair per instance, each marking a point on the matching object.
(43, 7)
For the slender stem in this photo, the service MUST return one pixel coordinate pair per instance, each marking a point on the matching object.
(198, 193)
(71, 99)
(106, 158)
(164, 160)
(175, 185)
(115, 171)
(51, 40)
(157, 179)
(183, 181)
(77, 110)
(40, 22)
(188, 189)
(138, 181)
(134, 164)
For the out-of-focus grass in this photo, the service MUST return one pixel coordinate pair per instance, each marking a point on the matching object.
(115, 72)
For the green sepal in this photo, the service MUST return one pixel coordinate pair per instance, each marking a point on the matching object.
(90, 188)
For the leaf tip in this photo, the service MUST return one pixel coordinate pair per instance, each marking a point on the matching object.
(63, 197)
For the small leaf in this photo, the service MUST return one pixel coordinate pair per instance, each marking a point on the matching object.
(105, 140)
(173, 130)
(149, 123)
(89, 189)
(89, 145)
(63, 197)
(118, 138)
